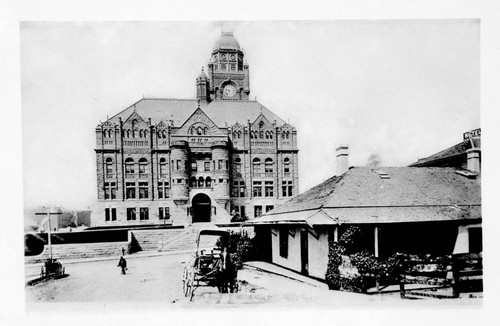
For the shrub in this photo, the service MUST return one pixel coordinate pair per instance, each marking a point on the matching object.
(239, 248)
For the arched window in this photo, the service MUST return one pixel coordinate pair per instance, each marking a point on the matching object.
(143, 163)
(159, 133)
(237, 165)
(208, 182)
(205, 130)
(261, 134)
(193, 182)
(201, 182)
(286, 165)
(109, 168)
(129, 166)
(163, 167)
(164, 133)
(269, 165)
(239, 134)
(145, 133)
(256, 165)
(270, 135)
(140, 134)
(261, 124)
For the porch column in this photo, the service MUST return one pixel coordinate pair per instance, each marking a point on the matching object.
(376, 241)
(336, 234)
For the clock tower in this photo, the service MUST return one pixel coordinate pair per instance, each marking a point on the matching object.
(228, 73)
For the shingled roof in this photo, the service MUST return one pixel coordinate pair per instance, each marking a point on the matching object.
(178, 110)
(385, 195)
(450, 153)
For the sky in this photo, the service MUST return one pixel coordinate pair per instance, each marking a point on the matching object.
(402, 89)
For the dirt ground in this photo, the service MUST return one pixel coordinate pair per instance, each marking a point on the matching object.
(156, 282)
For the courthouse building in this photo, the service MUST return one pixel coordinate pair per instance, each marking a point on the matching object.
(214, 158)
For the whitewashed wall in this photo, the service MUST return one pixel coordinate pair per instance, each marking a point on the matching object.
(318, 252)
(293, 259)
(318, 255)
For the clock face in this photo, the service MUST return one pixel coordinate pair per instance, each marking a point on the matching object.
(229, 91)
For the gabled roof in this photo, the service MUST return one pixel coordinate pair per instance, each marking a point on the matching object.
(179, 110)
(405, 194)
(449, 153)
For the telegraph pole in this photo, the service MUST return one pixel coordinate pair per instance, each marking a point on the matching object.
(50, 231)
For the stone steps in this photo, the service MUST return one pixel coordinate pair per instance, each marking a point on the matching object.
(79, 250)
(149, 240)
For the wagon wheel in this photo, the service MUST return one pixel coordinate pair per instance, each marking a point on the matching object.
(185, 281)
(190, 291)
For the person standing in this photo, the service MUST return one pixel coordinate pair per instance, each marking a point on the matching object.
(123, 264)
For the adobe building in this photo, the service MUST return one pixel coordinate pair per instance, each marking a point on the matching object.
(434, 209)
(214, 158)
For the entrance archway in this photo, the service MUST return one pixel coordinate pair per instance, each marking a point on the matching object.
(202, 208)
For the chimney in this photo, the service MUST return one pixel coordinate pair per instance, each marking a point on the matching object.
(342, 159)
(474, 160)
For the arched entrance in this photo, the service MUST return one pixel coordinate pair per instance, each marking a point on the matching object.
(201, 208)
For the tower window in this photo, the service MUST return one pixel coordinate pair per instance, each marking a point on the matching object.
(269, 165)
(129, 166)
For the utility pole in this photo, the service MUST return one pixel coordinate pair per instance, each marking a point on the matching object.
(50, 231)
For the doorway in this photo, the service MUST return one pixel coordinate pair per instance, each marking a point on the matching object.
(201, 208)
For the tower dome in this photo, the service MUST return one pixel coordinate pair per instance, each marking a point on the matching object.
(227, 41)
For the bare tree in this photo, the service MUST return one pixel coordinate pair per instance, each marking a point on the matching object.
(374, 160)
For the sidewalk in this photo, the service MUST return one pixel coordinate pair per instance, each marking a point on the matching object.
(277, 270)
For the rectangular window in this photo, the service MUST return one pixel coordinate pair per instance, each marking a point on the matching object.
(106, 211)
(269, 189)
(142, 168)
(286, 188)
(131, 214)
(164, 213)
(257, 188)
(163, 190)
(110, 190)
(113, 214)
(178, 165)
(143, 190)
(283, 234)
(269, 207)
(194, 166)
(221, 180)
(239, 188)
(242, 211)
(130, 190)
(256, 168)
(144, 213)
(257, 211)
(207, 166)
(237, 168)
(220, 164)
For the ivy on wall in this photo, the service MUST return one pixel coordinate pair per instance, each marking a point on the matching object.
(352, 245)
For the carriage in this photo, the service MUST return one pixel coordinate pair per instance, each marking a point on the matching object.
(211, 266)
